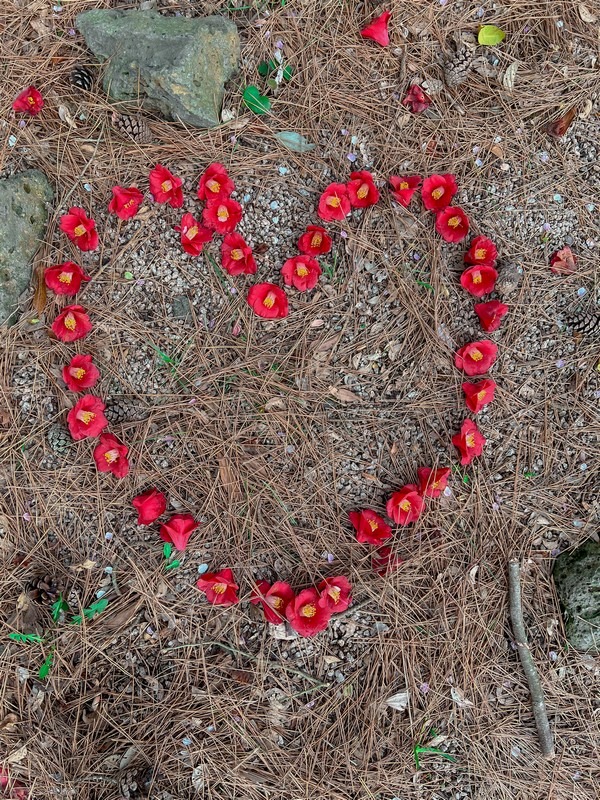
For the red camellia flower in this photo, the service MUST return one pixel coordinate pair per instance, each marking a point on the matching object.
(481, 251)
(223, 215)
(111, 456)
(384, 561)
(405, 505)
(71, 324)
(452, 224)
(178, 530)
(65, 278)
(274, 599)
(86, 418)
(334, 203)
(478, 395)
(362, 191)
(30, 101)
(220, 588)
(377, 30)
(166, 187)
(80, 229)
(490, 314)
(563, 261)
(438, 190)
(469, 442)
(403, 187)
(476, 358)
(268, 301)
(432, 482)
(301, 272)
(149, 505)
(416, 100)
(80, 373)
(125, 202)
(193, 235)
(335, 593)
(236, 255)
(215, 183)
(370, 527)
(11, 788)
(479, 279)
(315, 241)
(306, 616)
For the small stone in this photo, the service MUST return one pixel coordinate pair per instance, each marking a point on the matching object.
(577, 579)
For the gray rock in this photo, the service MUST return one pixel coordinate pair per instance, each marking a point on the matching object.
(181, 308)
(23, 215)
(577, 579)
(173, 65)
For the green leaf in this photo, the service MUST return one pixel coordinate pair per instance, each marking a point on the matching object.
(263, 69)
(46, 666)
(288, 73)
(272, 84)
(425, 285)
(167, 549)
(294, 141)
(58, 607)
(255, 101)
(128, 276)
(25, 638)
(96, 608)
(173, 564)
(490, 35)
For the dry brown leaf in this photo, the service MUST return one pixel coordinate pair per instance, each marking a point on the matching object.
(65, 115)
(508, 79)
(587, 15)
(344, 395)
(228, 478)
(9, 723)
(17, 756)
(559, 127)
(40, 27)
(497, 151)
(122, 617)
(275, 404)
(22, 602)
(327, 344)
(87, 564)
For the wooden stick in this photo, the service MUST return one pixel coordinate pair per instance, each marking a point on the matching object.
(527, 662)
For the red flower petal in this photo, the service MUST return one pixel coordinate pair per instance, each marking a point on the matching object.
(315, 241)
(150, 506)
(125, 203)
(220, 588)
(416, 100)
(222, 215)
(563, 261)
(403, 187)
(193, 235)
(71, 324)
(166, 187)
(362, 191)
(80, 229)
(405, 505)
(469, 441)
(452, 224)
(65, 278)
(490, 314)
(481, 251)
(306, 616)
(29, 101)
(370, 527)
(478, 395)
(80, 373)
(479, 279)
(301, 272)
(274, 599)
(268, 300)
(476, 358)
(236, 255)
(334, 203)
(377, 30)
(335, 593)
(178, 529)
(111, 456)
(432, 482)
(437, 191)
(86, 418)
(215, 183)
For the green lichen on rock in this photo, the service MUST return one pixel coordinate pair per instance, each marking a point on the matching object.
(175, 66)
(24, 200)
(577, 579)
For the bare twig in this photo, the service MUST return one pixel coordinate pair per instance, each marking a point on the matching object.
(527, 662)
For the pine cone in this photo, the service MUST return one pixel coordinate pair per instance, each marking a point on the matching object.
(509, 278)
(82, 78)
(132, 126)
(44, 589)
(584, 320)
(59, 439)
(457, 68)
(125, 409)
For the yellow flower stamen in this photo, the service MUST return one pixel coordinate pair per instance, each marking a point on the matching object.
(277, 602)
(86, 417)
(269, 300)
(77, 373)
(79, 230)
(65, 277)
(405, 505)
(166, 186)
(316, 240)
(237, 254)
(476, 355)
(334, 201)
(470, 440)
(363, 191)
(454, 222)
(373, 525)
(480, 253)
(309, 610)
(222, 214)
(476, 276)
(301, 271)
(213, 186)
(404, 185)
(220, 588)
(111, 456)
(192, 232)
(481, 395)
(437, 193)
(70, 322)
(335, 593)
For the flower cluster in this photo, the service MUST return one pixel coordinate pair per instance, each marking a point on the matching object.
(437, 193)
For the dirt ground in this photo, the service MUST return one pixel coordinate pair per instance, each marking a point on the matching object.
(163, 696)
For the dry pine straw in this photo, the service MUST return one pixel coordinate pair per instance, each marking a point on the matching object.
(441, 622)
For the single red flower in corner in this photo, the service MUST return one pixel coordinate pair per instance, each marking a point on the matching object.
(86, 418)
(220, 588)
(125, 203)
(223, 215)
(476, 358)
(80, 229)
(384, 561)
(166, 187)
(215, 183)
(362, 191)
(432, 482)
(452, 224)
(65, 278)
(479, 279)
(111, 456)
(268, 301)
(469, 442)
(563, 261)
(305, 615)
(71, 324)
(370, 527)
(301, 272)
(11, 788)
(150, 506)
(478, 395)
(377, 29)
(193, 235)
(334, 203)
(438, 190)
(178, 529)
(490, 314)
(336, 593)
(416, 99)
(403, 188)
(406, 505)
(29, 101)
(274, 599)
(315, 241)
(236, 255)
(481, 251)
(80, 373)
